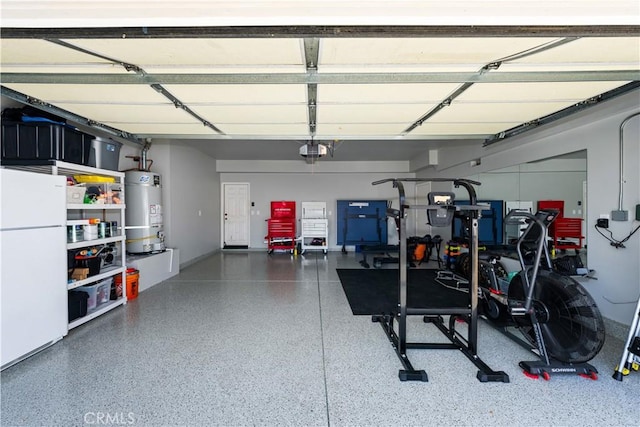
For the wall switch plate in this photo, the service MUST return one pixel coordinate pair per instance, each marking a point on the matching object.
(619, 215)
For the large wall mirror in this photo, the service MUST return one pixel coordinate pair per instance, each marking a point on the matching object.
(562, 178)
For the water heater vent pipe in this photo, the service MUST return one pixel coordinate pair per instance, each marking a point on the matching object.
(143, 156)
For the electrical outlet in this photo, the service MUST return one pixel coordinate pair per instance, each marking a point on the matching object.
(637, 212)
(602, 223)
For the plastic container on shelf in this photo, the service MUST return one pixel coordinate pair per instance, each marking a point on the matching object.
(90, 232)
(99, 293)
(75, 233)
(104, 230)
(103, 193)
(113, 229)
(105, 154)
(75, 194)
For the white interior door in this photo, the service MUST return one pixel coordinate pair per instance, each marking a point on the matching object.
(235, 214)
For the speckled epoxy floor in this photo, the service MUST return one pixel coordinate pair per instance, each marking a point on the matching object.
(244, 338)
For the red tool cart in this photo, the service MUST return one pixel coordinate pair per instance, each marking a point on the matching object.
(281, 226)
(565, 232)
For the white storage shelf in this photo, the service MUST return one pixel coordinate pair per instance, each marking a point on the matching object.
(108, 211)
(104, 273)
(90, 207)
(95, 242)
(313, 229)
(102, 309)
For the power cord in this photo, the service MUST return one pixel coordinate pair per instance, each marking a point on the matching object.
(618, 244)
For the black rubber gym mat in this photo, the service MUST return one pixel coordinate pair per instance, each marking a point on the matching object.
(372, 292)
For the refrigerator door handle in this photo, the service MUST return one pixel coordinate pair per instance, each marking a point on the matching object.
(31, 228)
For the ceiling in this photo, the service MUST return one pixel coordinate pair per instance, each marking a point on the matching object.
(368, 93)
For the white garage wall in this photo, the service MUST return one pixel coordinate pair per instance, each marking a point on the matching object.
(195, 194)
(190, 197)
(191, 184)
(317, 187)
(618, 270)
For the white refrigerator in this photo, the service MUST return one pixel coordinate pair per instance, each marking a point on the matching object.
(33, 263)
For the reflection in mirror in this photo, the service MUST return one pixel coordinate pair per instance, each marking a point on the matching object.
(557, 182)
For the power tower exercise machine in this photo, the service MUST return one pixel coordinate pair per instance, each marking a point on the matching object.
(440, 212)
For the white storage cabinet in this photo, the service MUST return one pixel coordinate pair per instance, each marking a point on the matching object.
(314, 226)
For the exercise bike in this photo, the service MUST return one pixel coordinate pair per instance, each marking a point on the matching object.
(558, 318)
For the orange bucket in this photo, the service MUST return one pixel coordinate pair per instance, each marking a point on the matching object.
(133, 276)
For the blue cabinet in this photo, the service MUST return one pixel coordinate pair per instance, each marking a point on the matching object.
(361, 222)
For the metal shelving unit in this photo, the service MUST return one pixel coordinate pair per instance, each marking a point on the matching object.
(107, 211)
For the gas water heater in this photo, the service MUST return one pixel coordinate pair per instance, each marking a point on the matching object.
(144, 226)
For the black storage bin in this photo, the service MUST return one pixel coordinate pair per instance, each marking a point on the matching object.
(77, 304)
(92, 263)
(44, 141)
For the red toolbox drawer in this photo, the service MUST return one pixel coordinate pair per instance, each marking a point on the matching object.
(284, 227)
(281, 234)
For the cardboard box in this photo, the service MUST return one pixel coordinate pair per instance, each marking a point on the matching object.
(80, 273)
